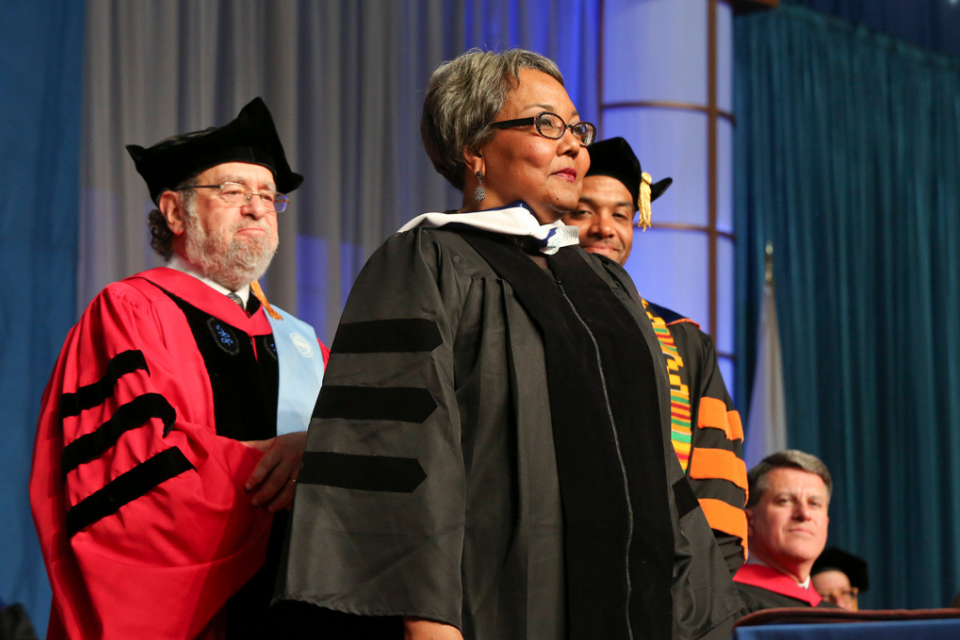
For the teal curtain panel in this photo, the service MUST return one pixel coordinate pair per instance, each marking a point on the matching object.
(848, 158)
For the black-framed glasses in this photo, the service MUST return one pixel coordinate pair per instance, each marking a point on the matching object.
(241, 194)
(552, 126)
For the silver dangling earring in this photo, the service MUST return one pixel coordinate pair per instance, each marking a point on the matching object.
(479, 194)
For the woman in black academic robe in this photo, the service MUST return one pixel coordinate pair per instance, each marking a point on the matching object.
(490, 453)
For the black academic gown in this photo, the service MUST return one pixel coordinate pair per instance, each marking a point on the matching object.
(762, 587)
(757, 599)
(430, 487)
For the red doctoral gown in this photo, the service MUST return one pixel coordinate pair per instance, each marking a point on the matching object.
(137, 487)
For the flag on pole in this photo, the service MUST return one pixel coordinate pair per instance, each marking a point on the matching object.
(767, 423)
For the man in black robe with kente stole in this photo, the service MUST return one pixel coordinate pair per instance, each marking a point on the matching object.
(705, 426)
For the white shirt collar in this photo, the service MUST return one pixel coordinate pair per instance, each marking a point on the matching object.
(178, 263)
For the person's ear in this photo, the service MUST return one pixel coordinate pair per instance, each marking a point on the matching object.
(172, 211)
(749, 514)
(473, 158)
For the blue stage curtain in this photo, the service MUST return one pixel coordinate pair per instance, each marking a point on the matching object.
(848, 157)
(40, 52)
(931, 24)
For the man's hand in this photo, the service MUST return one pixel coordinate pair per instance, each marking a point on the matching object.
(274, 479)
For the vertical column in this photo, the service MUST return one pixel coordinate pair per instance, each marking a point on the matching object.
(665, 85)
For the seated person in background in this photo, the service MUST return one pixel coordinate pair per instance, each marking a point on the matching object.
(840, 577)
(704, 425)
(787, 528)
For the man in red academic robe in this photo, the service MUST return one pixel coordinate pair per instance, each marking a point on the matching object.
(705, 426)
(787, 514)
(173, 425)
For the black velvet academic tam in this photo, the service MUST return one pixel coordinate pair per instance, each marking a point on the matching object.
(251, 137)
(615, 158)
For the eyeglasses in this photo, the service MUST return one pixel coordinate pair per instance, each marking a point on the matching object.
(846, 598)
(241, 194)
(552, 126)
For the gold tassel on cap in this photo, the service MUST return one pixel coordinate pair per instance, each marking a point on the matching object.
(643, 201)
(258, 292)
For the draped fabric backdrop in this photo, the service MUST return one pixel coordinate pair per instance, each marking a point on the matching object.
(851, 172)
(931, 24)
(40, 50)
(345, 82)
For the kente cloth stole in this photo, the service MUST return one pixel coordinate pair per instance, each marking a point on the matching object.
(681, 428)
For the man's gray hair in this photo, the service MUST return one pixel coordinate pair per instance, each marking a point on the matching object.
(464, 96)
(161, 237)
(786, 459)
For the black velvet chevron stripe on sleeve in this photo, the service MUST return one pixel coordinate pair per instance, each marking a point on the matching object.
(403, 335)
(717, 439)
(718, 489)
(126, 488)
(404, 404)
(130, 416)
(91, 395)
(364, 473)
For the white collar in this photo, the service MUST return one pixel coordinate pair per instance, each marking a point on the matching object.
(179, 263)
(515, 219)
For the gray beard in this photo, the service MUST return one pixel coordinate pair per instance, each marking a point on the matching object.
(232, 263)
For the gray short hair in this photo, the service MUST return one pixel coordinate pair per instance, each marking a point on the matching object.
(786, 459)
(464, 96)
